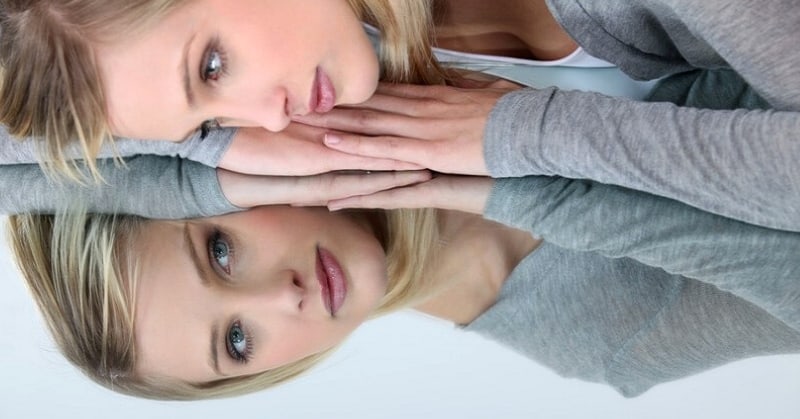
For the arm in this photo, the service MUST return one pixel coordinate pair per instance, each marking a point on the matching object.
(170, 188)
(207, 151)
(739, 163)
(149, 186)
(756, 264)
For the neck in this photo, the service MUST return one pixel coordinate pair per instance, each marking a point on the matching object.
(512, 28)
(476, 258)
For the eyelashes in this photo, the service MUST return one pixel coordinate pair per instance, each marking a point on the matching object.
(215, 62)
(238, 340)
(220, 252)
(213, 67)
(238, 343)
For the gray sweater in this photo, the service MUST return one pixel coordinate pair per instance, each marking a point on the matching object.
(739, 163)
(632, 290)
(629, 289)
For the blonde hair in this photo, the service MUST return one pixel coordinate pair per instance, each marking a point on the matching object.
(82, 275)
(50, 85)
(51, 88)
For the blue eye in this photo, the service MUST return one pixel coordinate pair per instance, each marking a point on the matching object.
(238, 343)
(213, 65)
(221, 252)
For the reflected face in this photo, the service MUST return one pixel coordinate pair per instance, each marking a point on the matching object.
(248, 292)
(236, 63)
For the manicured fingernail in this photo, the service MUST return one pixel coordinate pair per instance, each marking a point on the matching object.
(332, 139)
(333, 207)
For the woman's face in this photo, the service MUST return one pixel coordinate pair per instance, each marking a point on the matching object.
(239, 63)
(244, 293)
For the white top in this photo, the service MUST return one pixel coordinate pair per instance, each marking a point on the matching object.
(578, 58)
(577, 71)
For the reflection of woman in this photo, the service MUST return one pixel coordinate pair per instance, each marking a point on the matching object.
(607, 316)
(227, 304)
(739, 164)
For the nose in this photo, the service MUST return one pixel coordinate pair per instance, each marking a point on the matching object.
(271, 111)
(285, 295)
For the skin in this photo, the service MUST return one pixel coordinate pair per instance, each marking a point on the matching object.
(271, 290)
(266, 286)
(511, 28)
(270, 51)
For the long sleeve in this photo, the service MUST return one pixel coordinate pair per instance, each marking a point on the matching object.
(207, 151)
(149, 186)
(756, 264)
(738, 163)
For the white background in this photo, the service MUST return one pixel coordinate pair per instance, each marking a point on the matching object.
(400, 366)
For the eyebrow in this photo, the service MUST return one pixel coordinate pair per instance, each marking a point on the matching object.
(204, 274)
(187, 80)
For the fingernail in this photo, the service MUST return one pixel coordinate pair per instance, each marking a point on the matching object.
(333, 207)
(332, 139)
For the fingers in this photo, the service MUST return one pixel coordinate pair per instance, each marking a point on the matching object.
(460, 193)
(298, 151)
(396, 121)
(248, 191)
(408, 197)
(391, 148)
(320, 189)
(343, 160)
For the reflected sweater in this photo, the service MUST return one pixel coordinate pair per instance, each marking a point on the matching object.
(632, 290)
(628, 289)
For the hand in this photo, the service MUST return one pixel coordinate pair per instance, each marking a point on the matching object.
(247, 191)
(436, 127)
(298, 150)
(451, 192)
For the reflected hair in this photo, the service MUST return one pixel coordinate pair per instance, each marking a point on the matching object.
(81, 271)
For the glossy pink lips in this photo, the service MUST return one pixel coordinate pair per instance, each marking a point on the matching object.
(323, 94)
(332, 281)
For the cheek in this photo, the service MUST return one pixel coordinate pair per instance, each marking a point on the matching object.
(300, 340)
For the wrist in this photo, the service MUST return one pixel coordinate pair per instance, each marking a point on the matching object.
(236, 187)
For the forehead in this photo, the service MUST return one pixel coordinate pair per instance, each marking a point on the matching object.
(171, 339)
(142, 77)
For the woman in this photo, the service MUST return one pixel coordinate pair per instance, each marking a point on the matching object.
(682, 240)
(751, 151)
(627, 288)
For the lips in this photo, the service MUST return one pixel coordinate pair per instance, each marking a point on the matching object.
(323, 94)
(333, 285)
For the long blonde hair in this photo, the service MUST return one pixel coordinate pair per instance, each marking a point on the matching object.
(82, 275)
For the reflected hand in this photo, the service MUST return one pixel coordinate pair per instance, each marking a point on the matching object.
(247, 191)
(451, 192)
(296, 151)
(436, 127)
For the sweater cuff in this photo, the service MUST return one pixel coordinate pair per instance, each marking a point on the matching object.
(512, 131)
